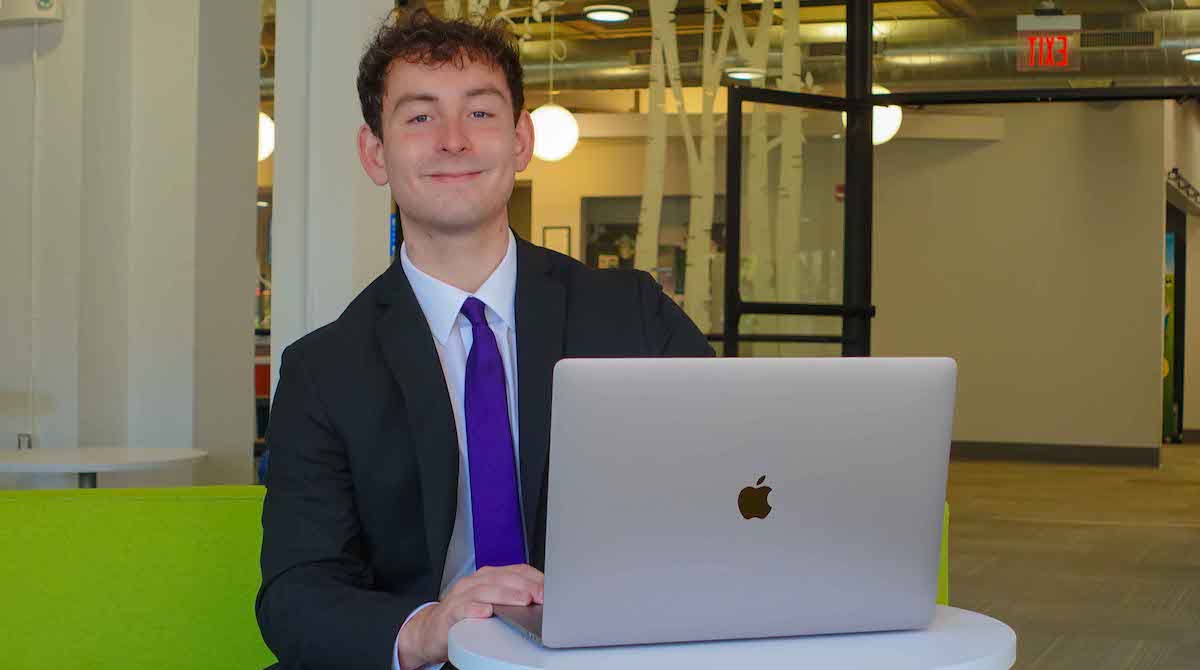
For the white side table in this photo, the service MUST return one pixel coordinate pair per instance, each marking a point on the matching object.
(957, 639)
(87, 461)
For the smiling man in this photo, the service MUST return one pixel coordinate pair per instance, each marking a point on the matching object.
(409, 438)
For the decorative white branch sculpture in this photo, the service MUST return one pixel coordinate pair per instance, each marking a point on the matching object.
(650, 213)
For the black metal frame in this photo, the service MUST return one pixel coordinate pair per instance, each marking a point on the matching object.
(857, 310)
(992, 97)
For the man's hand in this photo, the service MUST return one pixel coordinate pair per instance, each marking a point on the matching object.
(424, 638)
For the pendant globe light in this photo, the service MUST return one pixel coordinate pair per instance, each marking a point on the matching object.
(266, 136)
(555, 131)
(885, 121)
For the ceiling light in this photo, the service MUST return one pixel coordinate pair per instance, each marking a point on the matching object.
(266, 136)
(745, 73)
(885, 121)
(607, 13)
(555, 132)
(1192, 54)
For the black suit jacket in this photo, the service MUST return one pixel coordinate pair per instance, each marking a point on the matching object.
(363, 479)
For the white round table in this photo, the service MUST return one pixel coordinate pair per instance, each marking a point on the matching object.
(957, 639)
(87, 461)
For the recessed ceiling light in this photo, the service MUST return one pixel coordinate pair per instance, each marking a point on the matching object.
(263, 203)
(745, 73)
(607, 13)
(1192, 54)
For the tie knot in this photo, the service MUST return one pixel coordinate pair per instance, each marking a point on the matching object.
(473, 310)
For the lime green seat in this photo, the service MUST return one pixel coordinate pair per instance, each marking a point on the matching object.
(109, 579)
(131, 579)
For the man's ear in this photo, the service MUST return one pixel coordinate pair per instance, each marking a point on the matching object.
(523, 147)
(370, 154)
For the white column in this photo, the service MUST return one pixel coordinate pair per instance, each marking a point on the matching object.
(104, 262)
(162, 225)
(225, 236)
(330, 229)
(191, 234)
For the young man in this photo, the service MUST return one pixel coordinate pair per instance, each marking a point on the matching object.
(409, 438)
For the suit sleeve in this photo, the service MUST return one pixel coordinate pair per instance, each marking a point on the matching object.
(668, 330)
(318, 607)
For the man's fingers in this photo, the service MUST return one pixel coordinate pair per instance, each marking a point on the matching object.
(522, 570)
(475, 610)
(528, 572)
(500, 595)
(511, 579)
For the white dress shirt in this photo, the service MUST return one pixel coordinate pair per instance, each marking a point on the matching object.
(452, 337)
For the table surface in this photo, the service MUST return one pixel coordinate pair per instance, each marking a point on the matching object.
(958, 639)
(93, 459)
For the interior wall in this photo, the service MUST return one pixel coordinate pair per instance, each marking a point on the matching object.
(41, 75)
(126, 215)
(598, 168)
(1036, 262)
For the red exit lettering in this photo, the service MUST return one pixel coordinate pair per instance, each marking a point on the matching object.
(1048, 51)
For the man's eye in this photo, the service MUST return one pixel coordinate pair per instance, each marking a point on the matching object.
(481, 115)
(418, 118)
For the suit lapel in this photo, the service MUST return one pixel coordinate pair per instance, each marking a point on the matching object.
(408, 347)
(541, 316)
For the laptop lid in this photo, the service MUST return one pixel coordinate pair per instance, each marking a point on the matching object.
(703, 499)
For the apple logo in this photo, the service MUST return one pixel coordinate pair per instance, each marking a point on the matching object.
(752, 502)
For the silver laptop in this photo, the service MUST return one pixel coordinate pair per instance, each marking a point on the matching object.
(709, 499)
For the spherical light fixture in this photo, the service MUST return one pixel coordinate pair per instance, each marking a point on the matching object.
(555, 132)
(607, 13)
(885, 121)
(266, 136)
(745, 73)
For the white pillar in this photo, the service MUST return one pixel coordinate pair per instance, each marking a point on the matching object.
(191, 233)
(225, 240)
(329, 235)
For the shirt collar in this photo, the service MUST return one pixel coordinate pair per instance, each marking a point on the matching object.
(442, 302)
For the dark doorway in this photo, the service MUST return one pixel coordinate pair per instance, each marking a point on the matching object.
(1175, 310)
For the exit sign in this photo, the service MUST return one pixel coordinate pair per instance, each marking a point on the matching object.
(1048, 43)
(1048, 51)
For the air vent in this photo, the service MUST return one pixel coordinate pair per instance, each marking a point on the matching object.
(1116, 39)
(687, 55)
(831, 49)
(827, 49)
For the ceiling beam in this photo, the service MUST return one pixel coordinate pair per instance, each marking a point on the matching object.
(957, 8)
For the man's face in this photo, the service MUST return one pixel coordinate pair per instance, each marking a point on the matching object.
(449, 150)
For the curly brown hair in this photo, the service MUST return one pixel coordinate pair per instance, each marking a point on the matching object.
(420, 37)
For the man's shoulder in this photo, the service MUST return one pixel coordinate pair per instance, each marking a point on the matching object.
(351, 331)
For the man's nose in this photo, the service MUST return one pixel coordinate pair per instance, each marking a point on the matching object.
(454, 140)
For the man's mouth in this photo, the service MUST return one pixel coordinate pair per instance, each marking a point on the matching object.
(453, 177)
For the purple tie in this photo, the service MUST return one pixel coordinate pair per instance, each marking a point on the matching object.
(499, 539)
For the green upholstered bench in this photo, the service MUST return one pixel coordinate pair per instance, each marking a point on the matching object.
(127, 579)
(109, 579)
